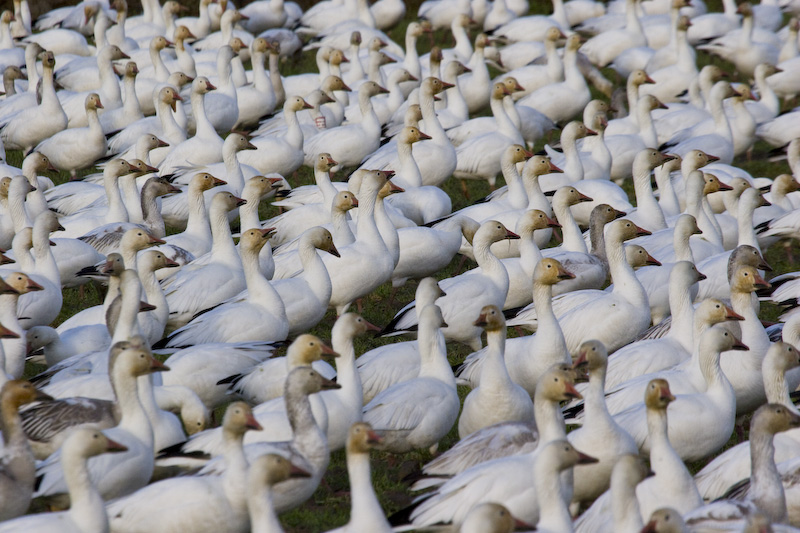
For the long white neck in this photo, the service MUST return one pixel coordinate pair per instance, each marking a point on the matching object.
(767, 486)
(87, 509)
(573, 238)
(366, 514)
(553, 513)
(646, 202)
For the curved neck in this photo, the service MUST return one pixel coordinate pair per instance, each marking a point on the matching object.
(646, 202)
(573, 238)
(204, 126)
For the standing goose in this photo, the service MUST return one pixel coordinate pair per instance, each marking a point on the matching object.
(18, 472)
(405, 407)
(468, 293)
(116, 476)
(366, 512)
(548, 343)
(86, 512)
(209, 502)
(497, 399)
(672, 484)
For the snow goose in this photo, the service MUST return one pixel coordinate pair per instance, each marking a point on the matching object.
(497, 399)
(404, 408)
(628, 471)
(266, 471)
(486, 162)
(628, 299)
(672, 484)
(598, 428)
(350, 145)
(213, 500)
(280, 155)
(86, 512)
(718, 398)
(196, 239)
(206, 146)
(376, 374)
(562, 101)
(16, 285)
(468, 293)
(260, 316)
(367, 263)
(163, 124)
(114, 120)
(533, 76)
(548, 343)
(80, 148)
(506, 479)
(764, 491)
(366, 512)
(604, 48)
(436, 158)
(19, 469)
(152, 323)
(570, 161)
(421, 203)
(116, 477)
(744, 52)
(187, 290)
(56, 347)
(730, 467)
(256, 100)
(29, 127)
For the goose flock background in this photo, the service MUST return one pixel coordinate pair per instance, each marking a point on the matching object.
(605, 340)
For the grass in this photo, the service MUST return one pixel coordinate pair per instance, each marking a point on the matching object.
(330, 505)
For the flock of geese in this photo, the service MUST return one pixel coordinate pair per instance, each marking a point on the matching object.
(664, 363)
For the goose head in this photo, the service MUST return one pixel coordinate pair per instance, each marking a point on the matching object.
(179, 79)
(7, 17)
(639, 77)
(456, 68)
(113, 53)
(170, 96)
(182, 33)
(236, 45)
(334, 83)
(593, 353)
(665, 520)
(87, 442)
(371, 89)
(490, 518)
(745, 9)
(752, 197)
(637, 257)
(239, 419)
(345, 201)
(306, 349)
(337, 57)
(773, 418)
(553, 34)
(362, 438)
(93, 102)
(746, 255)
(428, 291)
(603, 214)
(688, 271)
(130, 71)
(294, 104)
(18, 392)
(747, 279)
(575, 130)
(201, 85)
(253, 240)
(722, 90)
(512, 85)
(713, 184)
(232, 16)
(434, 86)
(236, 142)
(624, 230)
(766, 69)
(432, 315)
(539, 165)
(153, 260)
(321, 239)
(717, 339)
(203, 181)
(226, 201)
(568, 195)
(515, 154)
(411, 134)
(388, 189)
(781, 357)
(650, 158)
(132, 358)
(687, 225)
(351, 325)
(138, 239)
(158, 43)
(499, 91)
(494, 231)
(695, 159)
(22, 283)
(673, 164)
(491, 318)
(532, 220)
(270, 469)
(436, 57)
(684, 23)
(140, 168)
(114, 264)
(562, 455)
(5, 185)
(550, 271)
(657, 395)
(712, 311)
(304, 380)
(785, 183)
(48, 220)
(573, 43)
(558, 384)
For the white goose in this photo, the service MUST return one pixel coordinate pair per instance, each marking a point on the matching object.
(86, 512)
(497, 399)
